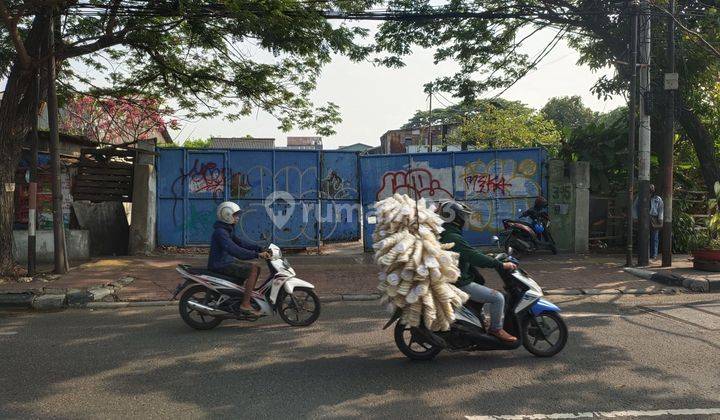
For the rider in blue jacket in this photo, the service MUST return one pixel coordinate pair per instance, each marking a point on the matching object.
(229, 253)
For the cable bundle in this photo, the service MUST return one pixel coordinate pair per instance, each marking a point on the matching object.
(417, 270)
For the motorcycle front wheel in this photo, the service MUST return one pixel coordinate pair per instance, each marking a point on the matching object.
(194, 318)
(544, 335)
(299, 309)
(412, 345)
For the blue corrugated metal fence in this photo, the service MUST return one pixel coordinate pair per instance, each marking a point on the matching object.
(282, 190)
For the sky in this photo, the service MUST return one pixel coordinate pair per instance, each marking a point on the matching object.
(373, 100)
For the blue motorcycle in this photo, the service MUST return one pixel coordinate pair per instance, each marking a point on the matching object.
(535, 321)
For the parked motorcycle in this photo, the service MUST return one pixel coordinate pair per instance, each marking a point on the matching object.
(209, 297)
(528, 237)
(535, 321)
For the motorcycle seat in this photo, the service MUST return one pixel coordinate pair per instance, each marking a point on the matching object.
(206, 272)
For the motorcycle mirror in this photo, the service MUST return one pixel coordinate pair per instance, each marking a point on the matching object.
(495, 239)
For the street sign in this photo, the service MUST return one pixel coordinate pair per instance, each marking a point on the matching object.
(671, 81)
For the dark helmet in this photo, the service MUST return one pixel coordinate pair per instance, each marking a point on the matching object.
(453, 212)
(540, 202)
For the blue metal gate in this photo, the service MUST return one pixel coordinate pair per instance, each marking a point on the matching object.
(495, 184)
(280, 191)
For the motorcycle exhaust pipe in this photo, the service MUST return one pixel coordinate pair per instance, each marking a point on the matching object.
(205, 309)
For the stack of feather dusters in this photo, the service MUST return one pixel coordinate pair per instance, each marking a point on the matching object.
(418, 271)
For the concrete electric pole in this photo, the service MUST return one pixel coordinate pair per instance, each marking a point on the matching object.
(632, 113)
(671, 85)
(644, 137)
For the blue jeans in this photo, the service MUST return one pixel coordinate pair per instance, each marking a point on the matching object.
(654, 242)
(495, 302)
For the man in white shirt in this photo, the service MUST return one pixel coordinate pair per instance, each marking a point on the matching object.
(657, 208)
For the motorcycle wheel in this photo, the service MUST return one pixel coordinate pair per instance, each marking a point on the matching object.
(553, 249)
(550, 330)
(300, 309)
(405, 339)
(192, 317)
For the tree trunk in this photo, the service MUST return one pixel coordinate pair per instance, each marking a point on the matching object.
(704, 145)
(16, 108)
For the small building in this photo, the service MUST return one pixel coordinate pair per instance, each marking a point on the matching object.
(357, 147)
(416, 139)
(305, 143)
(241, 143)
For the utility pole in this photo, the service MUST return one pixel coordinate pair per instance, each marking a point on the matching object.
(61, 265)
(32, 181)
(671, 79)
(430, 121)
(632, 109)
(644, 138)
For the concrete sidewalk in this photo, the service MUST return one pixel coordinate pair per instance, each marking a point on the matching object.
(335, 274)
(681, 273)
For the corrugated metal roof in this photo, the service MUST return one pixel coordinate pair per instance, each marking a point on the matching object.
(241, 143)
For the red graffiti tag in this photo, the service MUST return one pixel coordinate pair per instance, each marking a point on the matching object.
(486, 183)
(419, 182)
(207, 178)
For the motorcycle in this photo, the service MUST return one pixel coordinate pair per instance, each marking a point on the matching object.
(208, 298)
(529, 237)
(535, 321)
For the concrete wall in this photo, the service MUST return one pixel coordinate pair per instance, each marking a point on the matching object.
(569, 204)
(144, 210)
(78, 245)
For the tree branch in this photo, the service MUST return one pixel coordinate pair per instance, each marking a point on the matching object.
(102, 42)
(11, 24)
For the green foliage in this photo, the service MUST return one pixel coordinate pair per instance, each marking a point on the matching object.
(510, 127)
(196, 143)
(603, 143)
(194, 53)
(568, 113)
(455, 114)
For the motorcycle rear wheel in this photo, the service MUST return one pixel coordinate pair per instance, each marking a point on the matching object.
(200, 294)
(309, 309)
(405, 339)
(552, 330)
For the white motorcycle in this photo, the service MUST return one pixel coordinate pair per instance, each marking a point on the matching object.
(208, 298)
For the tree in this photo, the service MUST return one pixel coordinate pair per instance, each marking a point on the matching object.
(115, 121)
(196, 143)
(509, 127)
(190, 52)
(455, 114)
(484, 37)
(603, 143)
(568, 113)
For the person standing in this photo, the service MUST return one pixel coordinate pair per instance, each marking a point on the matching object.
(656, 221)
(656, 213)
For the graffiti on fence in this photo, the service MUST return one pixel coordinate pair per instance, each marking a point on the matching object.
(498, 178)
(420, 181)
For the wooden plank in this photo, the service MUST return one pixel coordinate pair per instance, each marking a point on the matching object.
(107, 171)
(101, 189)
(99, 198)
(106, 181)
(84, 163)
(105, 177)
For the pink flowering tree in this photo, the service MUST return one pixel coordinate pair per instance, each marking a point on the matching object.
(115, 121)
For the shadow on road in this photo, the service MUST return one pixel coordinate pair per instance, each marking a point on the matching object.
(343, 366)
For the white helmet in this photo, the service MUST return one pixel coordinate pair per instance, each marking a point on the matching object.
(226, 211)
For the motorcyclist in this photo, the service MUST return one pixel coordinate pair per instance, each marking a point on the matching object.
(455, 215)
(229, 254)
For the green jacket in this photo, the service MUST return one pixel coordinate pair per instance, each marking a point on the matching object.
(469, 257)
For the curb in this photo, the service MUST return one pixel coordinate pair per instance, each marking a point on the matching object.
(615, 292)
(693, 284)
(53, 299)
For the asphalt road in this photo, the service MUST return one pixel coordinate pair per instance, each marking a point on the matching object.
(145, 363)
